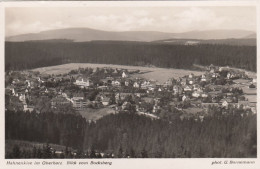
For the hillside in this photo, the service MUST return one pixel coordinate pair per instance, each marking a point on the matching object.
(87, 34)
(28, 55)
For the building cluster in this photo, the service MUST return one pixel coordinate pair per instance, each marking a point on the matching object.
(123, 90)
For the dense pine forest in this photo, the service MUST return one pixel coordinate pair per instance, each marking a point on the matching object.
(127, 134)
(27, 55)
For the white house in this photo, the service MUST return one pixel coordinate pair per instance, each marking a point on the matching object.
(204, 95)
(187, 88)
(225, 104)
(126, 83)
(191, 81)
(136, 85)
(177, 89)
(105, 101)
(203, 78)
(124, 75)
(195, 94)
(83, 82)
(22, 97)
(116, 83)
(184, 98)
(191, 75)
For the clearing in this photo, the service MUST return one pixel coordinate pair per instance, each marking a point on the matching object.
(159, 74)
(95, 114)
(28, 145)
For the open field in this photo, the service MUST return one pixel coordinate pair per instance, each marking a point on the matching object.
(95, 114)
(28, 145)
(159, 74)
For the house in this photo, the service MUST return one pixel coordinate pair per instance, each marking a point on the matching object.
(29, 108)
(102, 87)
(28, 83)
(78, 101)
(22, 97)
(225, 104)
(191, 76)
(145, 84)
(201, 117)
(58, 101)
(151, 88)
(244, 104)
(64, 94)
(148, 99)
(126, 83)
(177, 89)
(203, 78)
(105, 81)
(156, 108)
(183, 81)
(168, 83)
(15, 81)
(206, 105)
(136, 85)
(187, 88)
(191, 43)
(184, 98)
(116, 83)
(124, 74)
(126, 105)
(78, 96)
(85, 82)
(196, 86)
(215, 75)
(105, 101)
(80, 104)
(212, 68)
(196, 94)
(204, 95)
(191, 81)
(121, 96)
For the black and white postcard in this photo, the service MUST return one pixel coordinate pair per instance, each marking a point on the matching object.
(138, 84)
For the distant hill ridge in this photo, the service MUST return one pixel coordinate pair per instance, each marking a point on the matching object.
(87, 34)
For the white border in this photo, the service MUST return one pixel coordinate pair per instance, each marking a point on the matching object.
(201, 163)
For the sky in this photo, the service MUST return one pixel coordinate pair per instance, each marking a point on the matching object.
(21, 20)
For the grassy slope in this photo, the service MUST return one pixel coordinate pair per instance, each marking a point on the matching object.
(95, 114)
(159, 74)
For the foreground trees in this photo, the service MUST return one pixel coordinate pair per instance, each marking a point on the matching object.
(129, 135)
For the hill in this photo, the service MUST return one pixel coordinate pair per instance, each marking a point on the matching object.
(253, 35)
(28, 55)
(87, 34)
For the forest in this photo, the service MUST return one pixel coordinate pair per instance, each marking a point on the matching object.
(34, 54)
(126, 134)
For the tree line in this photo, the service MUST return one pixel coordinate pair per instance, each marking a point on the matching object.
(27, 55)
(230, 133)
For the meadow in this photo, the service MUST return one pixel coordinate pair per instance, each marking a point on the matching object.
(155, 73)
(95, 114)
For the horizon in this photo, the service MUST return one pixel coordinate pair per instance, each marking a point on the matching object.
(122, 19)
(133, 31)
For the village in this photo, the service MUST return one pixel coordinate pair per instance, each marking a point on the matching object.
(89, 90)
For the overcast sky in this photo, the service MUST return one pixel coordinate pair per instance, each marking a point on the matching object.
(164, 19)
